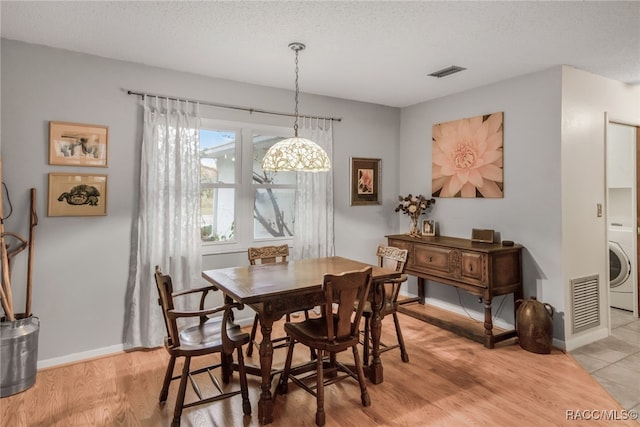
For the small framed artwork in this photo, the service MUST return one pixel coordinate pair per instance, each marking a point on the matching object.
(365, 181)
(76, 144)
(72, 194)
(428, 227)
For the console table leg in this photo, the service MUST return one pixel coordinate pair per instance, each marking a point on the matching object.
(488, 324)
(421, 290)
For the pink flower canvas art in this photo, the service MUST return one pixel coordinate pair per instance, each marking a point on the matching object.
(467, 157)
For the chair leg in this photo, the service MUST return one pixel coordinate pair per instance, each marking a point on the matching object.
(181, 392)
(283, 384)
(366, 340)
(364, 394)
(244, 389)
(403, 350)
(167, 379)
(252, 337)
(320, 415)
(226, 360)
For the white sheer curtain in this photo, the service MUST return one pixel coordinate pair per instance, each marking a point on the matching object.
(313, 229)
(169, 214)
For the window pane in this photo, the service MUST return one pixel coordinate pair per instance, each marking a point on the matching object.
(273, 213)
(217, 156)
(217, 206)
(262, 143)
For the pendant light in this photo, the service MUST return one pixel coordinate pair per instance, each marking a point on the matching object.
(297, 153)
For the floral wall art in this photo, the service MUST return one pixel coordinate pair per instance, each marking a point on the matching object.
(365, 181)
(467, 158)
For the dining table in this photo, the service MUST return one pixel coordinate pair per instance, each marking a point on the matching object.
(273, 290)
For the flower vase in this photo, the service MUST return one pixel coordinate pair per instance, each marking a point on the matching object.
(414, 231)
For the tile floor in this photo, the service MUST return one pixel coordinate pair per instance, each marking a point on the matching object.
(615, 361)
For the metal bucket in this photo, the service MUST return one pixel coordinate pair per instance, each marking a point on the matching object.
(18, 355)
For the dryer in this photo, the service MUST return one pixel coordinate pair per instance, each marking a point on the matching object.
(622, 268)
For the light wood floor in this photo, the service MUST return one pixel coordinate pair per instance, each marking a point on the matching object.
(449, 381)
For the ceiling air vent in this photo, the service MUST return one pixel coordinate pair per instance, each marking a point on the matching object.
(585, 303)
(447, 71)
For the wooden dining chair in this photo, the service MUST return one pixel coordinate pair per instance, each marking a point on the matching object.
(216, 334)
(268, 255)
(395, 259)
(335, 331)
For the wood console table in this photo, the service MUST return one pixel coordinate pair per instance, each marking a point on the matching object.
(484, 269)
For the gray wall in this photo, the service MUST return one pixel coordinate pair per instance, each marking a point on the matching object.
(82, 264)
(530, 211)
(554, 169)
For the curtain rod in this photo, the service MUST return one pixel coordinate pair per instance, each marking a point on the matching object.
(232, 107)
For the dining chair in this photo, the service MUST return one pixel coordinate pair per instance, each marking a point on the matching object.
(268, 255)
(215, 334)
(335, 331)
(395, 259)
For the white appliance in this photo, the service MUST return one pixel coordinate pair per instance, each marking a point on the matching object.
(622, 267)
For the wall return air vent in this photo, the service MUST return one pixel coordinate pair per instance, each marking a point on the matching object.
(585, 302)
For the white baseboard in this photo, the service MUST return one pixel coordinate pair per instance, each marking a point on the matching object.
(559, 344)
(475, 315)
(105, 351)
(586, 338)
(83, 355)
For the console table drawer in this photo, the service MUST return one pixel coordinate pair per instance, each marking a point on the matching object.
(473, 266)
(432, 258)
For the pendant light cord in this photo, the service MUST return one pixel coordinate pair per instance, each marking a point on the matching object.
(295, 124)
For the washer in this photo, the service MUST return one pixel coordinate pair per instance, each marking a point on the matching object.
(622, 274)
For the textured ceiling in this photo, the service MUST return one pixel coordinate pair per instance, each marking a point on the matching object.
(371, 51)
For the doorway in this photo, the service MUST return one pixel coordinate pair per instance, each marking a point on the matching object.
(623, 189)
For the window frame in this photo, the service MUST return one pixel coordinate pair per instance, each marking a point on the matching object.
(244, 186)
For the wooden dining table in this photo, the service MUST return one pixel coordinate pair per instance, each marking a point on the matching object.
(273, 290)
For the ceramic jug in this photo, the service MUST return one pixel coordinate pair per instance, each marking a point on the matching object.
(534, 325)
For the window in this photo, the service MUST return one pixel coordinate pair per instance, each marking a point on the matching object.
(240, 203)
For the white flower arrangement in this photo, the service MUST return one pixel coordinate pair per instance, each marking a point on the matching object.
(414, 206)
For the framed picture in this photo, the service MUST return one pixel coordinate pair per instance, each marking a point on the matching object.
(428, 227)
(75, 144)
(365, 181)
(72, 194)
(467, 157)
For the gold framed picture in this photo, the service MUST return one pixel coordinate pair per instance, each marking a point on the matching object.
(365, 181)
(72, 194)
(428, 227)
(76, 144)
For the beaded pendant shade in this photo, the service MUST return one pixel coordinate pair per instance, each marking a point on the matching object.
(297, 153)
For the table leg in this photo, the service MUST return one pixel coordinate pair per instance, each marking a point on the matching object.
(375, 371)
(488, 324)
(265, 404)
(421, 290)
